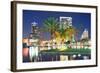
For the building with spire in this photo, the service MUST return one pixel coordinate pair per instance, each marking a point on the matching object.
(85, 34)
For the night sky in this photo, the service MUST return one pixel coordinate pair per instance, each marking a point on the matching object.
(80, 21)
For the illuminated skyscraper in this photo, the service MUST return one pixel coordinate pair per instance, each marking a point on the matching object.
(35, 30)
(65, 22)
(34, 36)
(33, 40)
(85, 34)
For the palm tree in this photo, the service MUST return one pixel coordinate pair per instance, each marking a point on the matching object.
(67, 34)
(70, 32)
(51, 25)
(62, 35)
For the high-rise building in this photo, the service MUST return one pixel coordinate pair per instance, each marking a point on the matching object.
(85, 34)
(65, 22)
(33, 41)
(35, 30)
(34, 36)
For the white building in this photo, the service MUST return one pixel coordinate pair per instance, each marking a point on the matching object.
(65, 22)
(85, 34)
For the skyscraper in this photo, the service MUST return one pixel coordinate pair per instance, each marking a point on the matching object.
(85, 34)
(35, 30)
(34, 36)
(65, 22)
(33, 40)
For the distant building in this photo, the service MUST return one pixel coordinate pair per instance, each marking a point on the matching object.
(35, 31)
(34, 36)
(80, 45)
(45, 45)
(33, 41)
(84, 41)
(65, 22)
(85, 34)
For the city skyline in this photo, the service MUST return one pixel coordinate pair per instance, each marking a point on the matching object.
(80, 21)
(56, 36)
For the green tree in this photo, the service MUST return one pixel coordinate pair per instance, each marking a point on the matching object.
(51, 25)
(67, 34)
